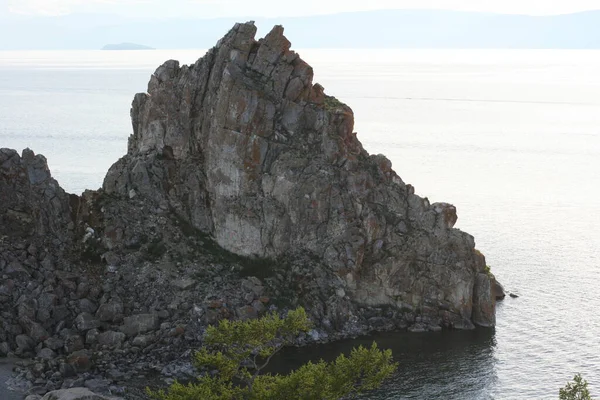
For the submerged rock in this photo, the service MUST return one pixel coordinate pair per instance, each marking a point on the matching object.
(498, 290)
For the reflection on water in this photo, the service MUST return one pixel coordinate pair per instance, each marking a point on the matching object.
(442, 365)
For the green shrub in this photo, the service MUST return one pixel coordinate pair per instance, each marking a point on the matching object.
(235, 354)
(576, 390)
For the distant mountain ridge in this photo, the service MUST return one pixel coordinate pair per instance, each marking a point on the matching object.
(369, 29)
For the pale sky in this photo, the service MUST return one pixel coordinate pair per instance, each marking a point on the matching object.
(279, 8)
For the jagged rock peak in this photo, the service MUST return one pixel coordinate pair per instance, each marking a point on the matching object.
(31, 201)
(244, 147)
(237, 62)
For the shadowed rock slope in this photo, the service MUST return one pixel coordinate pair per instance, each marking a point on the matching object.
(246, 148)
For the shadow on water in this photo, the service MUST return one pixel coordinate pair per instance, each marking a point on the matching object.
(443, 365)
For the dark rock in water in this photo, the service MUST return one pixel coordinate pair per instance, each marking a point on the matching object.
(498, 290)
(244, 190)
(514, 296)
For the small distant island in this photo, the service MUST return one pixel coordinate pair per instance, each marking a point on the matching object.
(127, 46)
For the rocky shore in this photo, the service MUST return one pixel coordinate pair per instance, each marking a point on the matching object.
(244, 190)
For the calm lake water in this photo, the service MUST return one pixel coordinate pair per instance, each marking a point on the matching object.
(512, 138)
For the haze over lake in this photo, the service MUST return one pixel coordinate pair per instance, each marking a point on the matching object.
(511, 137)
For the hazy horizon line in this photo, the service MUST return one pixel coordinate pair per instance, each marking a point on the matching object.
(248, 18)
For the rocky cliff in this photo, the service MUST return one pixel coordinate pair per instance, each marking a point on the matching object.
(246, 148)
(244, 189)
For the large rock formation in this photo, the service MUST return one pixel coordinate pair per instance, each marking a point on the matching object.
(244, 190)
(246, 148)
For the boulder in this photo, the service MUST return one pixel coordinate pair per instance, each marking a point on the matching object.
(143, 341)
(498, 290)
(80, 360)
(141, 323)
(54, 343)
(15, 270)
(91, 336)
(75, 394)
(35, 330)
(88, 306)
(183, 283)
(110, 312)
(73, 343)
(24, 343)
(46, 304)
(46, 354)
(98, 385)
(4, 349)
(86, 321)
(111, 339)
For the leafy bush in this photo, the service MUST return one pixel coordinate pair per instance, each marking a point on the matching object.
(236, 352)
(576, 390)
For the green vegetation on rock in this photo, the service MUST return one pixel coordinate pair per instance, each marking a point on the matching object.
(332, 103)
(236, 352)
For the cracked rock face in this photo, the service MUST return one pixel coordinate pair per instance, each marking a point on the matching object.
(31, 201)
(244, 147)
